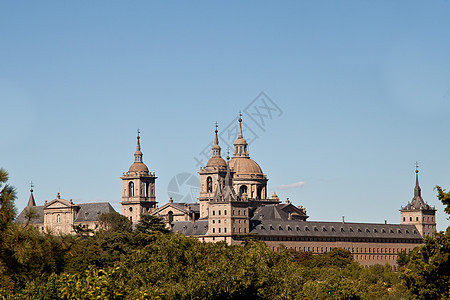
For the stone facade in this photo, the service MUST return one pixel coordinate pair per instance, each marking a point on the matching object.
(61, 216)
(234, 203)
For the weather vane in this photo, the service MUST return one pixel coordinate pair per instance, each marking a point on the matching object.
(138, 132)
(31, 185)
(417, 167)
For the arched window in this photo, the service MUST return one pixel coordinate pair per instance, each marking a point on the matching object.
(209, 184)
(242, 190)
(131, 189)
(170, 214)
(258, 192)
(147, 186)
(58, 218)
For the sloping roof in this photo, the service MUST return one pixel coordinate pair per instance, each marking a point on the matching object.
(87, 212)
(199, 227)
(90, 211)
(417, 202)
(184, 207)
(276, 227)
(270, 212)
(21, 218)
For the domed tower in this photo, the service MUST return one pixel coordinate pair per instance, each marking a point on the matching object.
(138, 192)
(210, 176)
(249, 181)
(419, 213)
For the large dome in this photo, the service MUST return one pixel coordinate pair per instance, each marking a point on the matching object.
(245, 165)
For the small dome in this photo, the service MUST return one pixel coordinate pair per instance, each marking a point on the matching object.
(138, 167)
(240, 141)
(216, 162)
(245, 165)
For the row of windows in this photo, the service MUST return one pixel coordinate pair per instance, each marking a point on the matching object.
(332, 229)
(147, 191)
(242, 188)
(417, 219)
(219, 230)
(234, 221)
(233, 212)
(338, 239)
(326, 249)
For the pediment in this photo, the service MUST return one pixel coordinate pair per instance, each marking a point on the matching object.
(169, 207)
(58, 203)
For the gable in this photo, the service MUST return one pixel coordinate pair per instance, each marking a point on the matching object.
(164, 210)
(57, 203)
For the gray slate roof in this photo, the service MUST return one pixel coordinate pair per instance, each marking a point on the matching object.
(21, 219)
(333, 229)
(199, 227)
(270, 212)
(87, 212)
(90, 211)
(417, 202)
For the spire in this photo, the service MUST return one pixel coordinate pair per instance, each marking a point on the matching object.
(228, 180)
(216, 147)
(240, 145)
(240, 126)
(31, 201)
(417, 191)
(417, 201)
(225, 193)
(138, 154)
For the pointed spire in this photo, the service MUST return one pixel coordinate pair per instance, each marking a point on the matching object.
(417, 190)
(228, 180)
(138, 146)
(240, 126)
(240, 145)
(216, 147)
(31, 201)
(138, 154)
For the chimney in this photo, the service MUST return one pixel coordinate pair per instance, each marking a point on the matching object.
(343, 220)
(385, 221)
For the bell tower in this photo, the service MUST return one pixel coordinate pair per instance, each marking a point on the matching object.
(419, 213)
(210, 176)
(138, 188)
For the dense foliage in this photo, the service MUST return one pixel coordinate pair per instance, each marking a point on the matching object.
(150, 263)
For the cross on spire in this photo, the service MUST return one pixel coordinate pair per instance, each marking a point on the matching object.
(31, 186)
(138, 132)
(417, 167)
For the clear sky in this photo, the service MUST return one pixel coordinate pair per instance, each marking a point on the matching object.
(362, 90)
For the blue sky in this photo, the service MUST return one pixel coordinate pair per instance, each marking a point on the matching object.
(362, 87)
